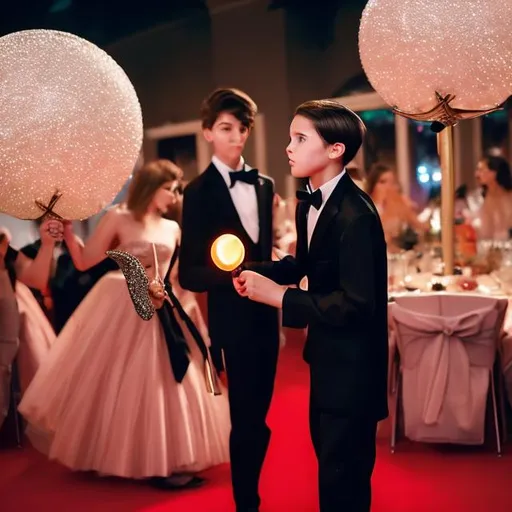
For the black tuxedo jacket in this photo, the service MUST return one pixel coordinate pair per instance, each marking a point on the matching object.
(208, 212)
(345, 307)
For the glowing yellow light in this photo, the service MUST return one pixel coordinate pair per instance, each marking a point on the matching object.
(228, 252)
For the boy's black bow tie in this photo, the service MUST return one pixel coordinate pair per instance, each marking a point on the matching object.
(250, 177)
(312, 198)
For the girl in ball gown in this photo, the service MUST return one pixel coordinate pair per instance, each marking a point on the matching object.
(15, 266)
(121, 395)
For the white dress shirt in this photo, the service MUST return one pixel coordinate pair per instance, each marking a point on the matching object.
(244, 198)
(314, 214)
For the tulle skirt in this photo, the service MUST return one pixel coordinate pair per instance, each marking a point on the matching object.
(107, 396)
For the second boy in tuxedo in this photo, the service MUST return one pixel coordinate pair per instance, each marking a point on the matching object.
(231, 197)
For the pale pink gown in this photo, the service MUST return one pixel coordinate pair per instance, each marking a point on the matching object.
(36, 335)
(107, 393)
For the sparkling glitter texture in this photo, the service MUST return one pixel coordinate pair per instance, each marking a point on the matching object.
(137, 281)
(71, 122)
(410, 49)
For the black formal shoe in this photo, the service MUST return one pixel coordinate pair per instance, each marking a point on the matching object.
(171, 484)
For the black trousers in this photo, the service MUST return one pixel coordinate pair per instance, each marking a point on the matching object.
(251, 369)
(345, 449)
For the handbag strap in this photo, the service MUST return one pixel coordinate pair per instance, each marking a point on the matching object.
(155, 263)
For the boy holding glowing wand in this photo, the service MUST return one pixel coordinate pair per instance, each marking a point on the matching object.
(341, 250)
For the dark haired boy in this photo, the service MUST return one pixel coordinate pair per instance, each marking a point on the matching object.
(341, 250)
(230, 197)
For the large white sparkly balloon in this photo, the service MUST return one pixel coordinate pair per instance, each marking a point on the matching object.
(70, 122)
(412, 48)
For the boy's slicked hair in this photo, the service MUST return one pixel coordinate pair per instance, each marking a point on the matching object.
(335, 123)
(231, 101)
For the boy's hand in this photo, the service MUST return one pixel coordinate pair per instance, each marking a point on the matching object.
(240, 289)
(259, 288)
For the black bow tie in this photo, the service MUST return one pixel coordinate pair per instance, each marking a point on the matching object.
(312, 198)
(250, 177)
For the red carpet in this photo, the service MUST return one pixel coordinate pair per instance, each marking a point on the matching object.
(416, 479)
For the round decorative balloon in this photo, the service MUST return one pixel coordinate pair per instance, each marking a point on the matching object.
(412, 49)
(71, 128)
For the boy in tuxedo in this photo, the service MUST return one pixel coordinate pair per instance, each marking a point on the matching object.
(341, 250)
(230, 197)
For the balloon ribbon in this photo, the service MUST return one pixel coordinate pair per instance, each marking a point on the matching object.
(444, 113)
(48, 209)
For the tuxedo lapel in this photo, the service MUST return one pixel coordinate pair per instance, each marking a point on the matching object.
(302, 232)
(222, 197)
(224, 202)
(327, 215)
